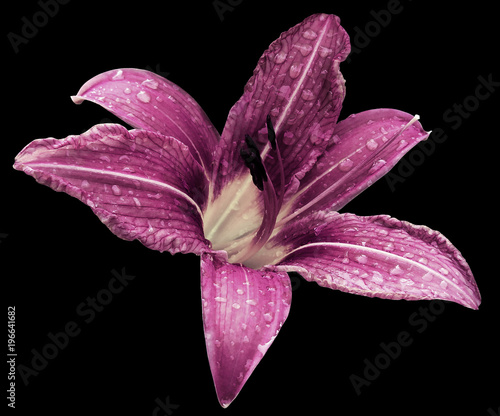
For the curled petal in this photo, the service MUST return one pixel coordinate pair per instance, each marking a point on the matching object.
(243, 311)
(366, 146)
(378, 256)
(298, 83)
(141, 184)
(148, 101)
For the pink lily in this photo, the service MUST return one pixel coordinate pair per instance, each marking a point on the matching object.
(260, 200)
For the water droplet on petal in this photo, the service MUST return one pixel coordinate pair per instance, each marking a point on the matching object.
(236, 305)
(304, 49)
(118, 75)
(288, 138)
(428, 277)
(346, 165)
(85, 184)
(220, 299)
(307, 95)
(294, 70)
(150, 83)
(324, 52)
(280, 57)
(143, 96)
(251, 302)
(371, 144)
(310, 34)
(396, 270)
(137, 202)
(362, 259)
(402, 144)
(240, 291)
(127, 91)
(443, 284)
(116, 190)
(377, 165)
(268, 317)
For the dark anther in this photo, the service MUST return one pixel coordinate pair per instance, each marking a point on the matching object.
(252, 160)
(271, 135)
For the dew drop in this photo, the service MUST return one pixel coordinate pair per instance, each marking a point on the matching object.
(443, 271)
(443, 284)
(240, 291)
(428, 277)
(220, 299)
(251, 302)
(143, 96)
(402, 144)
(304, 49)
(127, 91)
(371, 144)
(307, 95)
(85, 184)
(346, 165)
(294, 70)
(310, 34)
(137, 202)
(116, 190)
(268, 317)
(118, 75)
(236, 305)
(396, 271)
(362, 259)
(324, 52)
(377, 165)
(288, 138)
(280, 57)
(150, 83)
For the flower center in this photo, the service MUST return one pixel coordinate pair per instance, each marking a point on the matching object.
(243, 217)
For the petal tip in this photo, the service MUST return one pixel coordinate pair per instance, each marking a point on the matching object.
(77, 99)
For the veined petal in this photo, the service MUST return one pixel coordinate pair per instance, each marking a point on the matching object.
(148, 101)
(367, 145)
(243, 311)
(297, 81)
(377, 256)
(141, 184)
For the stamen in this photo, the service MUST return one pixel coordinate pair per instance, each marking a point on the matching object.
(271, 134)
(251, 158)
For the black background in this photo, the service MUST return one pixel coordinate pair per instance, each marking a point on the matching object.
(147, 344)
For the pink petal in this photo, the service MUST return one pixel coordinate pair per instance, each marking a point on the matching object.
(297, 81)
(367, 145)
(378, 256)
(243, 311)
(148, 101)
(141, 184)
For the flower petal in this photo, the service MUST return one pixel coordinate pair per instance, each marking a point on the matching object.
(367, 146)
(141, 184)
(243, 311)
(148, 101)
(297, 81)
(378, 256)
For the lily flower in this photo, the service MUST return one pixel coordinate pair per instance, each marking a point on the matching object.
(261, 199)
